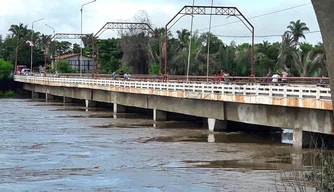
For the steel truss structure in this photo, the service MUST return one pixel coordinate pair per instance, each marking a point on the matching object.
(64, 36)
(121, 26)
(125, 26)
(211, 10)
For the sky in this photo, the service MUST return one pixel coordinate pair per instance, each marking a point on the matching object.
(64, 16)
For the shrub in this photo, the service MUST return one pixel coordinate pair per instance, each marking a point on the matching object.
(9, 93)
(63, 66)
(124, 69)
(6, 69)
(154, 69)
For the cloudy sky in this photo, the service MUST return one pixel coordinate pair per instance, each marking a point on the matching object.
(64, 16)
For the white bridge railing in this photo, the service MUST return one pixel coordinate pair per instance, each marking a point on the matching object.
(296, 91)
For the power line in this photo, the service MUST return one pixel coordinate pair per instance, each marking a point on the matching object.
(261, 36)
(257, 16)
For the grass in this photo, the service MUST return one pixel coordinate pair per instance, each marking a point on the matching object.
(7, 94)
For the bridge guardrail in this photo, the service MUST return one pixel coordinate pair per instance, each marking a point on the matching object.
(211, 79)
(295, 91)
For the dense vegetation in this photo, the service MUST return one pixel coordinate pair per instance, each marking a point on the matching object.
(137, 52)
(5, 69)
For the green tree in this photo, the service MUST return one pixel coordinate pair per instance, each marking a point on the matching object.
(183, 38)
(63, 66)
(309, 64)
(285, 51)
(227, 58)
(76, 48)
(6, 69)
(306, 47)
(154, 69)
(110, 54)
(297, 30)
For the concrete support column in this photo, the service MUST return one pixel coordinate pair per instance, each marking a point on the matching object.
(90, 103)
(217, 125)
(34, 95)
(48, 97)
(304, 139)
(159, 115)
(67, 100)
(119, 108)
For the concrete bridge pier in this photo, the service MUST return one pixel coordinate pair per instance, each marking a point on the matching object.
(119, 108)
(34, 95)
(159, 115)
(67, 100)
(90, 103)
(48, 97)
(302, 139)
(217, 125)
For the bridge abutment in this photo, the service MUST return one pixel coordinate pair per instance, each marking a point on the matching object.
(217, 125)
(159, 115)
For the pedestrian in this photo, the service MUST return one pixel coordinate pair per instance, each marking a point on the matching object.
(276, 78)
(285, 75)
(266, 78)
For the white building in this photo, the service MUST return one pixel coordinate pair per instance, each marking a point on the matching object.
(74, 60)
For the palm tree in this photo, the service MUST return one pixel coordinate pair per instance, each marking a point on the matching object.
(297, 29)
(286, 48)
(310, 64)
(183, 37)
(180, 59)
(19, 31)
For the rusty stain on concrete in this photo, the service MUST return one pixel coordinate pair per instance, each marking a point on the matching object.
(250, 99)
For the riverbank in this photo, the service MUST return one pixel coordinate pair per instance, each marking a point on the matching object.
(8, 88)
(7, 94)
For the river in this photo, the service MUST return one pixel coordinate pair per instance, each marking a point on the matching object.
(51, 147)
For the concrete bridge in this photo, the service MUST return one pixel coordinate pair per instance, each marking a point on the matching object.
(305, 109)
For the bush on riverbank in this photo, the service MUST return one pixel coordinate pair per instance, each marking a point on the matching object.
(313, 173)
(6, 69)
(7, 94)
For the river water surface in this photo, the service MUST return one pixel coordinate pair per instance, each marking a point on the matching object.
(51, 147)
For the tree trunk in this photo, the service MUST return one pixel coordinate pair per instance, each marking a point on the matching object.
(325, 16)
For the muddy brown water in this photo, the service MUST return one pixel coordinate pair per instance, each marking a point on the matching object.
(51, 147)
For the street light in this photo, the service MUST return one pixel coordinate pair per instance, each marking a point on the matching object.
(54, 32)
(191, 36)
(81, 10)
(32, 40)
(17, 51)
(208, 44)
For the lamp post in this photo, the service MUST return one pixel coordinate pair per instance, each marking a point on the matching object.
(32, 40)
(54, 32)
(208, 44)
(17, 52)
(190, 41)
(81, 10)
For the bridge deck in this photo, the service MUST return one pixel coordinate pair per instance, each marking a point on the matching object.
(291, 96)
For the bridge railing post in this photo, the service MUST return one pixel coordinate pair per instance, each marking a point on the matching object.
(300, 92)
(318, 93)
(285, 91)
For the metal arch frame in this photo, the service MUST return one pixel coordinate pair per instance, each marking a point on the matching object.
(206, 10)
(118, 25)
(125, 25)
(64, 36)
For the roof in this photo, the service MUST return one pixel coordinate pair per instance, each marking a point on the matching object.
(67, 56)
